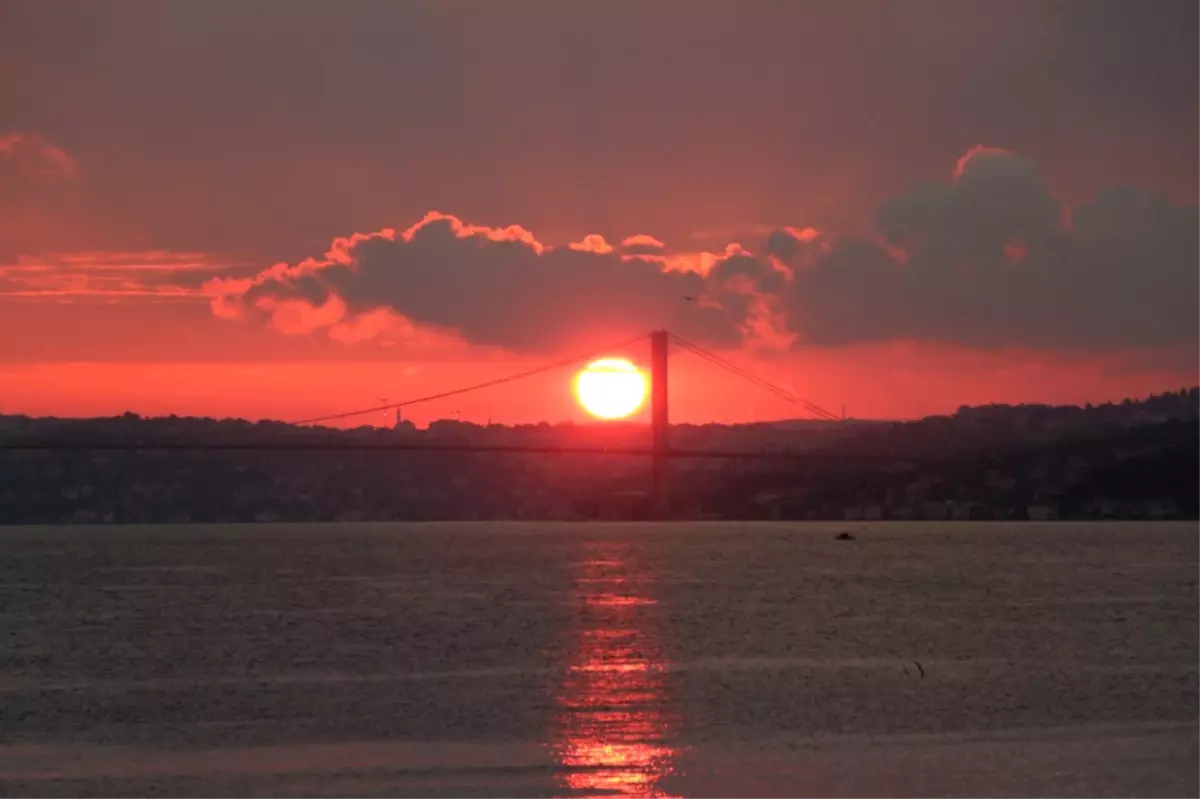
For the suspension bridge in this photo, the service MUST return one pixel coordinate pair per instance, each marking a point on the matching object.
(659, 447)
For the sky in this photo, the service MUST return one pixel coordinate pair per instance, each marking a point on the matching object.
(285, 209)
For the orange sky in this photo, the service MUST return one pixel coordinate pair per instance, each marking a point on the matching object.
(101, 333)
(289, 210)
(892, 381)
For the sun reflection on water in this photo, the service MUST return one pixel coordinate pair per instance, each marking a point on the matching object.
(613, 725)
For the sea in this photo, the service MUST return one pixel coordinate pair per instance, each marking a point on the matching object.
(594, 659)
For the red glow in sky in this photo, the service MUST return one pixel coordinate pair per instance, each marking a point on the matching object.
(456, 192)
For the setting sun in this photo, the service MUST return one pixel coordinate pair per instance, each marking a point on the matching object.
(610, 388)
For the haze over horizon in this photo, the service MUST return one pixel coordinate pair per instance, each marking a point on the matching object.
(280, 210)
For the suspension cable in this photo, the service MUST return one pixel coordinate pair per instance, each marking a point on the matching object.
(753, 378)
(444, 394)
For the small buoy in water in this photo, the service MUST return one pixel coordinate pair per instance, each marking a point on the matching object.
(844, 537)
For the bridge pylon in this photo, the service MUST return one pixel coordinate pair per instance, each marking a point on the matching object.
(660, 426)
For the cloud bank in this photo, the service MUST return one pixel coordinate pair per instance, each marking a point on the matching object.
(985, 258)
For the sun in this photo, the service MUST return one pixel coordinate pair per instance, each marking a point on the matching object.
(610, 388)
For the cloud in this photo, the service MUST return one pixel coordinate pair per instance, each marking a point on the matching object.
(188, 155)
(152, 273)
(641, 244)
(992, 259)
(33, 157)
(493, 286)
(593, 242)
(38, 194)
(988, 258)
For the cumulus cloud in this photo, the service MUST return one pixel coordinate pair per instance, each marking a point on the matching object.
(641, 244)
(985, 258)
(593, 242)
(992, 259)
(491, 286)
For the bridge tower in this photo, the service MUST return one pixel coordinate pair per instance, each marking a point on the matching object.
(660, 425)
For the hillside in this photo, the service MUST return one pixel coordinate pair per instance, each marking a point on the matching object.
(1137, 459)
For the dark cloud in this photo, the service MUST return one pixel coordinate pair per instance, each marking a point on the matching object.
(990, 260)
(996, 199)
(506, 293)
(501, 287)
(986, 258)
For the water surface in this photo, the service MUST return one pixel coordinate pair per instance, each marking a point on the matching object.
(600, 659)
